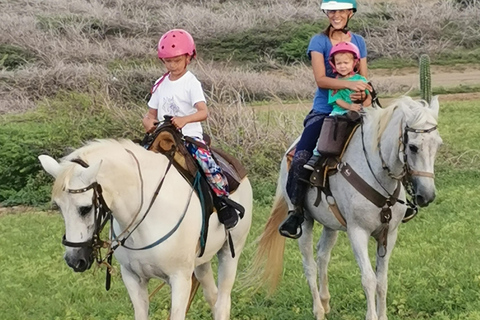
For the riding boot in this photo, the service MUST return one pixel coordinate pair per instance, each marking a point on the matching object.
(291, 227)
(297, 188)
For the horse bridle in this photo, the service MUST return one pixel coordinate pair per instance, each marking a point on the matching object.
(407, 172)
(102, 214)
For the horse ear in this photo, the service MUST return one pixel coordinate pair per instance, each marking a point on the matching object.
(435, 106)
(50, 165)
(90, 173)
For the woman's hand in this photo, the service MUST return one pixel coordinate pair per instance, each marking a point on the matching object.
(358, 86)
(179, 122)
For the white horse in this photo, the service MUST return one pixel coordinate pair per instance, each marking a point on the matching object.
(175, 220)
(404, 135)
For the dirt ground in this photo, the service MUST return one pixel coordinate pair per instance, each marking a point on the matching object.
(442, 76)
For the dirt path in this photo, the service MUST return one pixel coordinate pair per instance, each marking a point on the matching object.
(442, 76)
(408, 78)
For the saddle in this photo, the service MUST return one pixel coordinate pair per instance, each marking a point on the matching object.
(332, 143)
(166, 139)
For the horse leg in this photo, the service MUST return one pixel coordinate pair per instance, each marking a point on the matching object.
(382, 273)
(227, 270)
(324, 249)
(359, 241)
(204, 274)
(138, 292)
(310, 267)
(181, 284)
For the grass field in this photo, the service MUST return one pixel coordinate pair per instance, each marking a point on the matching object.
(434, 270)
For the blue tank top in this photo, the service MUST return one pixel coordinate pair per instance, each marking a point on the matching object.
(322, 44)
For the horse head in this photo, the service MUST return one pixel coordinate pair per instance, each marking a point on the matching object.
(75, 192)
(409, 140)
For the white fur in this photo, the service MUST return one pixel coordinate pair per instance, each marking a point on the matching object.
(174, 260)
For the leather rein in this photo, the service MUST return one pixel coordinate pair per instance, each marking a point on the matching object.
(103, 214)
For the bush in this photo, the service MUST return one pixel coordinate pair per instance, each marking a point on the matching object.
(12, 57)
(57, 127)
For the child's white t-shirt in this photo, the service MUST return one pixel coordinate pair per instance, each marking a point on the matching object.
(178, 98)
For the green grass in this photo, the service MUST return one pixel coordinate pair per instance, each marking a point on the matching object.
(433, 274)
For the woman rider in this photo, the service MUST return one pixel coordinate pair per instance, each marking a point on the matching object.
(338, 13)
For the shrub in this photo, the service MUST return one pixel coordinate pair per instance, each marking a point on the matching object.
(58, 126)
(13, 57)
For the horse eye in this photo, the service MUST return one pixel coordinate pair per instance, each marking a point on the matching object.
(85, 210)
(413, 148)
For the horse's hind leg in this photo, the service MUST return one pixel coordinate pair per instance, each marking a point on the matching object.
(204, 274)
(138, 292)
(382, 273)
(324, 249)
(359, 241)
(310, 267)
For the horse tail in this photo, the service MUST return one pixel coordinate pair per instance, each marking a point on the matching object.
(268, 262)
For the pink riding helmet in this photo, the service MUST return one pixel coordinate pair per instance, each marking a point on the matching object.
(176, 42)
(344, 47)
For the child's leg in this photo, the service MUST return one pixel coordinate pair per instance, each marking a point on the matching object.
(212, 170)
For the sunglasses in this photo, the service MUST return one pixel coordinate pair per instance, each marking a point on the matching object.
(332, 12)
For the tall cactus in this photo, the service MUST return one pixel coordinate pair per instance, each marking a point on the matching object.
(425, 78)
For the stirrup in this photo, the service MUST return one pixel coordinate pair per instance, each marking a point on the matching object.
(410, 214)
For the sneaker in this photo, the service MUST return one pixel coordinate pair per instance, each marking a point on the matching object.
(227, 215)
(310, 165)
(291, 227)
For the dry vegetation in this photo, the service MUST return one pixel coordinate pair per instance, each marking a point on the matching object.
(72, 45)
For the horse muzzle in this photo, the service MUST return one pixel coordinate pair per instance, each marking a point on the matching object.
(79, 259)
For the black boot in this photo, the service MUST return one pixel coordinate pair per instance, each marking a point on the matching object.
(228, 211)
(291, 227)
(297, 188)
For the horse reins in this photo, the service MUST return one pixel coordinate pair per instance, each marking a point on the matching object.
(103, 214)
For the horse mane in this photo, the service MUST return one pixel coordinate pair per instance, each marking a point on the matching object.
(417, 112)
(107, 146)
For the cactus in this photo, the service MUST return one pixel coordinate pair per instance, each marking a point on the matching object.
(425, 78)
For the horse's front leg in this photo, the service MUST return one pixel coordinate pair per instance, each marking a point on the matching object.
(181, 284)
(138, 292)
(204, 274)
(382, 273)
(359, 241)
(324, 250)
(305, 244)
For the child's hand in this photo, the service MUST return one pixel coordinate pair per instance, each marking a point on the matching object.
(356, 107)
(149, 124)
(179, 122)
